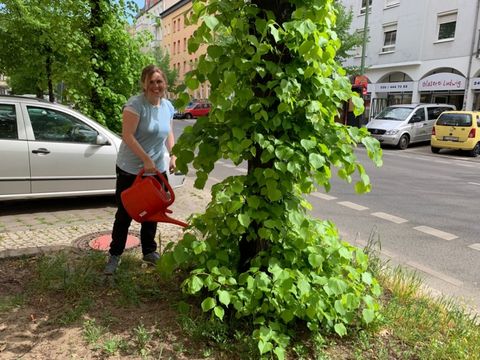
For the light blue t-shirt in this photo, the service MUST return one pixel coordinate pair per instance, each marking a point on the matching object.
(152, 131)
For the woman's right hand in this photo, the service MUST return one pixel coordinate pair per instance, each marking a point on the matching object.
(149, 166)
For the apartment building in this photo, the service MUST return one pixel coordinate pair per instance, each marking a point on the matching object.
(166, 20)
(419, 51)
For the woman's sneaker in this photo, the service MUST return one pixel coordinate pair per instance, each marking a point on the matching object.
(152, 258)
(112, 264)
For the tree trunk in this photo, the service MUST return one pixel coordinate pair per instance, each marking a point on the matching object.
(282, 9)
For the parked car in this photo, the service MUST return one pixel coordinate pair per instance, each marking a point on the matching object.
(196, 110)
(458, 130)
(49, 150)
(401, 125)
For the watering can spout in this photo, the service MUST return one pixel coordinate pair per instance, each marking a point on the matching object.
(148, 199)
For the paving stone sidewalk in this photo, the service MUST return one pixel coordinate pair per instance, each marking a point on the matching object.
(41, 232)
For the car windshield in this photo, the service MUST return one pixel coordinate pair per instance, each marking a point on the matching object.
(455, 120)
(394, 113)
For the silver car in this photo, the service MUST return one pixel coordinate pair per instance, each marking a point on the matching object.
(401, 125)
(49, 150)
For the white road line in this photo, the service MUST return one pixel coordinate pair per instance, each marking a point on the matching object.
(229, 165)
(388, 217)
(463, 164)
(475, 246)
(435, 232)
(322, 196)
(437, 274)
(242, 170)
(214, 179)
(352, 205)
(474, 183)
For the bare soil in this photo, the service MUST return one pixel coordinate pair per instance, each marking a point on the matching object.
(38, 328)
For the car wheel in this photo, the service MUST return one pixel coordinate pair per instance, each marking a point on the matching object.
(475, 151)
(188, 115)
(435, 150)
(403, 142)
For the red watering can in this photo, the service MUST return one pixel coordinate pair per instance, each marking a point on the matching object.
(147, 199)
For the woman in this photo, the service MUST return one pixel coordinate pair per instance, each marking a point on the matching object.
(146, 135)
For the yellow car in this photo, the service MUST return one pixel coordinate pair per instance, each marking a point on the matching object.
(457, 130)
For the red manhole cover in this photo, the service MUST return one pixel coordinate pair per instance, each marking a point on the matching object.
(103, 242)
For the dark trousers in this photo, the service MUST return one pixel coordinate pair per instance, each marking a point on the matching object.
(123, 220)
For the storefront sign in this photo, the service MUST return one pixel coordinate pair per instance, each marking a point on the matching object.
(394, 87)
(442, 81)
(475, 84)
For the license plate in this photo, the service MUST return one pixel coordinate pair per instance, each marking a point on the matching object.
(450, 138)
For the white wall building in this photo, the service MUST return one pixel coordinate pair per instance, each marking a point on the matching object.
(149, 19)
(419, 51)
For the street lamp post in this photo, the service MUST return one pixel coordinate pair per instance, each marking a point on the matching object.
(365, 36)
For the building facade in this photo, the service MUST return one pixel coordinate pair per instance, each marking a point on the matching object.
(419, 51)
(167, 21)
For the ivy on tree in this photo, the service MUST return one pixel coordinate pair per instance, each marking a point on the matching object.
(275, 92)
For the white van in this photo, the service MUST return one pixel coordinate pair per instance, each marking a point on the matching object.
(401, 125)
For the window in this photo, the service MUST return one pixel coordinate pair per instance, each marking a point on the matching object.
(446, 26)
(52, 125)
(389, 37)
(434, 112)
(184, 44)
(391, 3)
(364, 6)
(8, 122)
(419, 114)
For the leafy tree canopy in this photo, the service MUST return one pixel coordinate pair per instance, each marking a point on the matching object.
(275, 92)
(85, 44)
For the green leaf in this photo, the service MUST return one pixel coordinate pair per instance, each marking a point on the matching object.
(367, 278)
(316, 160)
(192, 83)
(211, 22)
(264, 346)
(340, 329)
(208, 304)
(214, 51)
(219, 312)
(368, 315)
(195, 284)
(244, 219)
(280, 352)
(274, 32)
(358, 105)
(224, 297)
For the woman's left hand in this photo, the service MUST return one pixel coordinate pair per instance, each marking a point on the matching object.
(172, 164)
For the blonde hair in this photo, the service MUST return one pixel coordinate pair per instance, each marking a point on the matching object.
(148, 72)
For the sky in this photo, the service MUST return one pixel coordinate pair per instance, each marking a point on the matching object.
(140, 3)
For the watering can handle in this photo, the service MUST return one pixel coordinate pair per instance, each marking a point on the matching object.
(163, 182)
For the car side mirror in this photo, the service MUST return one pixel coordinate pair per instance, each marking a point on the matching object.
(415, 119)
(102, 140)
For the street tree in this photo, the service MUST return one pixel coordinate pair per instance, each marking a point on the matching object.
(83, 44)
(106, 61)
(348, 41)
(30, 52)
(162, 60)
(275, 92)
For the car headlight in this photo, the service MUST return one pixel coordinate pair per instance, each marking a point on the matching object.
(391, 132)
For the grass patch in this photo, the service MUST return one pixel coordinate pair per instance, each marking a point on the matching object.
(136, 314)
(10, 302)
